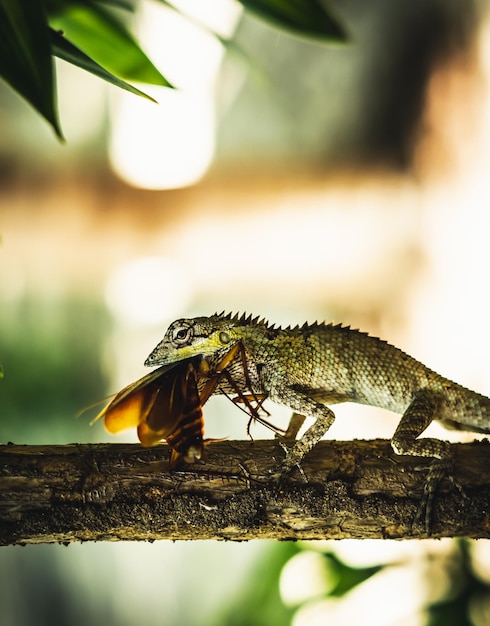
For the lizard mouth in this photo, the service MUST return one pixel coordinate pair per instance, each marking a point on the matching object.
(156, 358)
(165, 354)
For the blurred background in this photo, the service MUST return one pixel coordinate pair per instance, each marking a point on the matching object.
(285, 178)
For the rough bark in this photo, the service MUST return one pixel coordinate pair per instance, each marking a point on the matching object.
(112, 492)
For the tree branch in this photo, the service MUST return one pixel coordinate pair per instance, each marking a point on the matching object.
(355, 489)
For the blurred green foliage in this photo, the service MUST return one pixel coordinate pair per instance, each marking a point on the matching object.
(259, 602)
(456, 608)
(347, 577)
(50, 352)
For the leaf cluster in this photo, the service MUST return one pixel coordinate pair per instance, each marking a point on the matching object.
(93, 35)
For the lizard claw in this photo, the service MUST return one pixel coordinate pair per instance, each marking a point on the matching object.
(437, 471)
(284, 469)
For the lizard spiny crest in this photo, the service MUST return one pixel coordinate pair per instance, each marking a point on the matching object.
(218, 333)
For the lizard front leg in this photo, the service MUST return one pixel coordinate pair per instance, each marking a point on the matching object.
(426, 405)
(305, 406)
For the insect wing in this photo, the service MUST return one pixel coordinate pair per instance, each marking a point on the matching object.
(133, 403)
(131, 411)
(166, 411)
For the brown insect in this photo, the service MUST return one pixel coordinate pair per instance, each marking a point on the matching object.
(167, 403)
(164, 404)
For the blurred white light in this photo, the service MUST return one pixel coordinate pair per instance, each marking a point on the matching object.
(480, 559)
(166, 145)
(305, 576)
(171, 144)
(372, 552)
(148, 290)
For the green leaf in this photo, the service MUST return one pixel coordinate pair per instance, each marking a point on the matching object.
(304, 17)
(65, 50)
(104, 38)
(25, 56)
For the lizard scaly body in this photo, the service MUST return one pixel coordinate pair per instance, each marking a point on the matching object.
(309, 367)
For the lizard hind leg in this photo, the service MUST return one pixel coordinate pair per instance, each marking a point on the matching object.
(426, 405)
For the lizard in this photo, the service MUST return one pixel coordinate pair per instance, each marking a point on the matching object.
(309, 367)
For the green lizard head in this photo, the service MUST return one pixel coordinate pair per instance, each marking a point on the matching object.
(187, 338)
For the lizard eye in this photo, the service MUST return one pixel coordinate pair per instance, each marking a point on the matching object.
(224, 337)
(182, 335)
